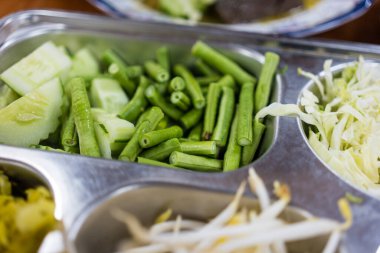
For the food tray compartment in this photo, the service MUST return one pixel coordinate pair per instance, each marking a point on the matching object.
(137, 50)
(99, 231)
(82, 183)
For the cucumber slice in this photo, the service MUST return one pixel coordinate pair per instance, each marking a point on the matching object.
(112, 133)
(40, 66)
(84, 65)
(31, 118)
(7, 96)
(106, 93)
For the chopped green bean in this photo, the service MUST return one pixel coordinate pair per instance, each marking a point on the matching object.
(205, 69)
(83, 118)
(245, 114)
(120, 75)
(156, 71)
(249, 151)
(191, 118)
(177, 84)
(232, 156)
(179, 99)
(156, 99)
(213, 96)
(156, 137)
(265, 81)
(143, 160)
(207, 80)
(133, 149)
(193, 162)
(163, 123)
(163, 150)
(221, 63)
(137, 104)
(199, 148)
(196, 132)
(162, 57)
(69, 136)
(134, 71)
(162, 88)
(192, 86)
(226, 112)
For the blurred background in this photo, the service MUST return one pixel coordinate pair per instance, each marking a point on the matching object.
(363, 29)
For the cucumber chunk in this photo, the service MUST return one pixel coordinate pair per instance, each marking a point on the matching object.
(84, 65)
(106, 93)
(40, 66)
(112, 133)
(31, 118)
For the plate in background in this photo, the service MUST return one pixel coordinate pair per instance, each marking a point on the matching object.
(324, 15)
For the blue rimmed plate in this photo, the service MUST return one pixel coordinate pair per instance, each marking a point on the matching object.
(324, 15)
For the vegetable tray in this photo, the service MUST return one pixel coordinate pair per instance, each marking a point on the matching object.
(83, 187)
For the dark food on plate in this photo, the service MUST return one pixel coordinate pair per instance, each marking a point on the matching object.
(24, 219)
(250, 10)
(235, 229)
(229, 11)
(152, 113)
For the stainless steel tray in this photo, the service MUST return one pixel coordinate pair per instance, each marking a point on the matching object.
(81, 184)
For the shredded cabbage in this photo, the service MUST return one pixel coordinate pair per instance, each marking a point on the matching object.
(345, 115)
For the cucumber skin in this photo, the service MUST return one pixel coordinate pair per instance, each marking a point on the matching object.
(24, 122)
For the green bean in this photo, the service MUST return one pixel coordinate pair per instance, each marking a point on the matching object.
(199, 148)
(205, 69)
(83, 118)
(213, 96)
(191, 118)
(143, 160)
(249, 151)
(162, 88)
(232, 156)
(196, 132)
(221, 63)
(179, 99)
(137, 104)
(193, 162)
(134, 71)
(162, 57)
(163, 150)
(69, 136)
(192, 86)
(117, 68)
(156, 99)
(133, 149)
(226, 111)
(265, 81)
(156, 71)
(177, 84)
(207, 80)
(163, 123)
(245, 114)
(110, 56)
(120, 75)
(156, 137)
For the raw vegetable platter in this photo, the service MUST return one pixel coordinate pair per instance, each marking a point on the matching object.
(82, 185)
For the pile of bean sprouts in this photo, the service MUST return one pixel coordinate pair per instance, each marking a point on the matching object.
(234, 229)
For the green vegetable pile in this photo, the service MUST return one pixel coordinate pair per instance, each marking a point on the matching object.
(24, 222)
(187, 9)
(343, 121)
(155, 113)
